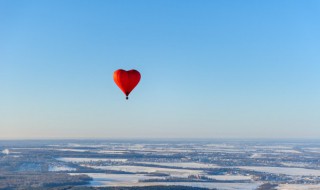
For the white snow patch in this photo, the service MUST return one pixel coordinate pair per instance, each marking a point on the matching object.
(138, 169)
(284, 170)
(112, 151)
(288, 151)
(313, 150)
(229, 177)
(256, 155)
(295, 164)
(128, 180)
(72, 150)
(298, 187)
(79, 160)
(101, 179)
(193, 165)
(6, 151)
(60, 168)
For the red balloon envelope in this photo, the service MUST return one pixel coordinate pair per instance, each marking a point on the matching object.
(126, 80)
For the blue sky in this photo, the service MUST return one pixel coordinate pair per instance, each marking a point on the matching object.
(210, 69)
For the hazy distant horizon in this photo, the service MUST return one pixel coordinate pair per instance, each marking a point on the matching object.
(168, 139)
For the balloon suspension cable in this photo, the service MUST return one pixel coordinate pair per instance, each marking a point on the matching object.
(127, 97)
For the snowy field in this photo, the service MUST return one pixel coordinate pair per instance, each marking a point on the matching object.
(79, 160)
(60, 168)
(229, 177)
(140, 169)
(72, 150)
(283, 170)
(109, 180)
(298, 187)
(212, 161)
(193, 165)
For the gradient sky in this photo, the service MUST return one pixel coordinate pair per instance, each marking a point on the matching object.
(210, 69)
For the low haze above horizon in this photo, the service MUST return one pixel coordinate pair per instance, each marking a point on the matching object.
(210, 69)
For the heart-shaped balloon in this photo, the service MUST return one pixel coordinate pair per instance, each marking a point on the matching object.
(126, 80)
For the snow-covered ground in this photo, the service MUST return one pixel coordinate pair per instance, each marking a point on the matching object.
(105, 180)
(229, 177)
(102, 179)
(288, 151)
(139, 169)
(313, 150)
(257, 155)
(193, 165)
(298, 187)
(72, 150)
(295, 164)
(112, 151)
(5, 151)
(60, 168)
(273, 147)
(284, 170)
(78, 160)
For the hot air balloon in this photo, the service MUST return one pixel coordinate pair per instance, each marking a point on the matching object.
(126, 80)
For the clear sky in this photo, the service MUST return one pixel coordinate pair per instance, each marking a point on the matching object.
(210, 69)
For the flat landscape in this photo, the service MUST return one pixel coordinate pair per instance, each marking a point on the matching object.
(160, 164)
